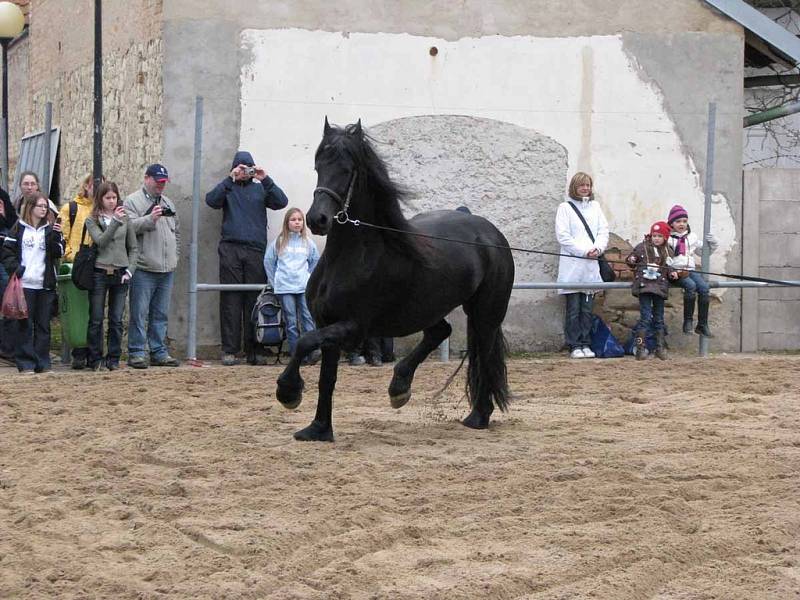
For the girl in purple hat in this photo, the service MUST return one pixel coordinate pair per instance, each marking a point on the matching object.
(685, 245)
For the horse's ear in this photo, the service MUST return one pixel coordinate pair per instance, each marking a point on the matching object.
(357, 129)
(327, 129)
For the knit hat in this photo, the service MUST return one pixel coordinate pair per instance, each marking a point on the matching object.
(677, 212)
(660, 227)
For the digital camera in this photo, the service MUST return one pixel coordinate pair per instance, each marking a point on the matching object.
(166, 211)
(249, 171)
(651, 272)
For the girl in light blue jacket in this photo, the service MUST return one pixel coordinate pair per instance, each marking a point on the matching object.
(289, 261)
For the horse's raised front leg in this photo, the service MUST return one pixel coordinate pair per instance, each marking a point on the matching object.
(400, 386)
(290, 384)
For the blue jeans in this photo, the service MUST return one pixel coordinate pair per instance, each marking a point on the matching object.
(150, 294)
(692, 285)
(651, 314)
(294, 306)
(33, 334)
(578, 320)
(106, 285)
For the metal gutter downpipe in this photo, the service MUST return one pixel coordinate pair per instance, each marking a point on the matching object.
(771, 114)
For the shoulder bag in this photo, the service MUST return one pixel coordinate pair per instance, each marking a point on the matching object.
(83, 265)
(606, 272)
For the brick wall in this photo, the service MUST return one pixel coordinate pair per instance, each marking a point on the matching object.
(55, 63)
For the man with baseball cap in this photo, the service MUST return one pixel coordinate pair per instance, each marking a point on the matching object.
(155, 221)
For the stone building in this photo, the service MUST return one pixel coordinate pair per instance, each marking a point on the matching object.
(489, 104)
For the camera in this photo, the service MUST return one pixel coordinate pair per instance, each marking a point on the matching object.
(249, 171)
(651, 272)
(166, 211)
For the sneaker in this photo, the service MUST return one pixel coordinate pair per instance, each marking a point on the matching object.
(577, 353)
(78, 363)
(257, 360)
(587, 353)
(45, 370)
(138, 362)
(356, 360)
(112, 365)
(312, 358)
(229, 360)
(166, 361)
(26, 371)
(375, 361)
(95, 366)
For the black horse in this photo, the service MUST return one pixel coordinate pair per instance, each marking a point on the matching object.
(385, 281)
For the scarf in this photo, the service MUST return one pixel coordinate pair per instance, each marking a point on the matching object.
(680, 243)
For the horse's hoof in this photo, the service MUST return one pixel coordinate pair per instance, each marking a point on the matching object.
(475, 420)
(289, 397)
(316, 432)
(400, 400)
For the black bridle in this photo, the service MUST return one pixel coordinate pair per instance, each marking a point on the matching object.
(341, 217)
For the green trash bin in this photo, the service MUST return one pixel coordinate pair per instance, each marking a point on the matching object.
(73, 306)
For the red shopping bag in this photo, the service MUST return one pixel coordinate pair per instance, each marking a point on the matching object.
(14, 305)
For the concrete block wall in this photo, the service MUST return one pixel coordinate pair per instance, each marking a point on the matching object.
(771, 317)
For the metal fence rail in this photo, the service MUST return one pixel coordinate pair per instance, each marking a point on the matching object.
(444, 348)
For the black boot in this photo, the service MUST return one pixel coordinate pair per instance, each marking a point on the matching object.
(639, 350)
(702, 316)
(661, 350)
(688, 314)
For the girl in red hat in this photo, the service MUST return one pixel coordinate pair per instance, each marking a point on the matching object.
(651, 259)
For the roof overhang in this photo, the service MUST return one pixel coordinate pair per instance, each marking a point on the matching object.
(763, 36)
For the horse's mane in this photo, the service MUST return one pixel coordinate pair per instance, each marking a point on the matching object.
(374, 185)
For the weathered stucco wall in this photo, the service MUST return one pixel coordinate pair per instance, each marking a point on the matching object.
(632, 105)
(56, 65)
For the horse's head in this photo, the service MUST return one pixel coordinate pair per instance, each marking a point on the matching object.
(336, 166)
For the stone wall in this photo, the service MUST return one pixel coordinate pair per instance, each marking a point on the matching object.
(55, 64)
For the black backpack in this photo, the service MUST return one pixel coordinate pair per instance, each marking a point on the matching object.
(267, 318)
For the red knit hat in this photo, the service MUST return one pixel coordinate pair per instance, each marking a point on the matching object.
(660, 227)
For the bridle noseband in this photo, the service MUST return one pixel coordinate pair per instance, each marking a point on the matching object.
(340, 217)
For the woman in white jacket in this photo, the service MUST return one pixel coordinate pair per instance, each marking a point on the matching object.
(575, 240)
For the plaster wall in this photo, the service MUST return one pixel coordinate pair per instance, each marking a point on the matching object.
(630, 107)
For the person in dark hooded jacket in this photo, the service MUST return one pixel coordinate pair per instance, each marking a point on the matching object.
(243, 197)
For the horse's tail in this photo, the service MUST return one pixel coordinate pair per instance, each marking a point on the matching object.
(487, 377)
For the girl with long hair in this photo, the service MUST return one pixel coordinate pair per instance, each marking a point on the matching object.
(289, 261)
(117, 251)
(30, 251)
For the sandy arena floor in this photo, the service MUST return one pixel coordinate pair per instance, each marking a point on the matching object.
(602, 482)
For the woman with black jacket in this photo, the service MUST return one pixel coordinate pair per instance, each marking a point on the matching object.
(31, 250)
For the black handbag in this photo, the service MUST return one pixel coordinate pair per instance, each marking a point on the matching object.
(83, 265)
(607, 274)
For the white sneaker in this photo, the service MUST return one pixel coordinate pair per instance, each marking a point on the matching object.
(587, 353)
(577, 353)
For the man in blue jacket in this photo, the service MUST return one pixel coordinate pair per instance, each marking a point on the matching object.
(244, 197)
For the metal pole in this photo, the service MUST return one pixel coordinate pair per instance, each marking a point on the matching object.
(191, 345)
(97, 163)
(6, 178)
(48, 125)
(772, 113)
(712, 125)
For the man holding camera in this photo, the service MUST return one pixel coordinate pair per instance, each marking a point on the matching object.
(155, 222)
(243, 197)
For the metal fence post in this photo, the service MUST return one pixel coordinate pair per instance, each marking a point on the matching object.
(191, 346)
(712, 124)
(48, 125)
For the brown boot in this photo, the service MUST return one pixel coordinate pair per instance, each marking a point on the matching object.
(661, 350)
(639, 351)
